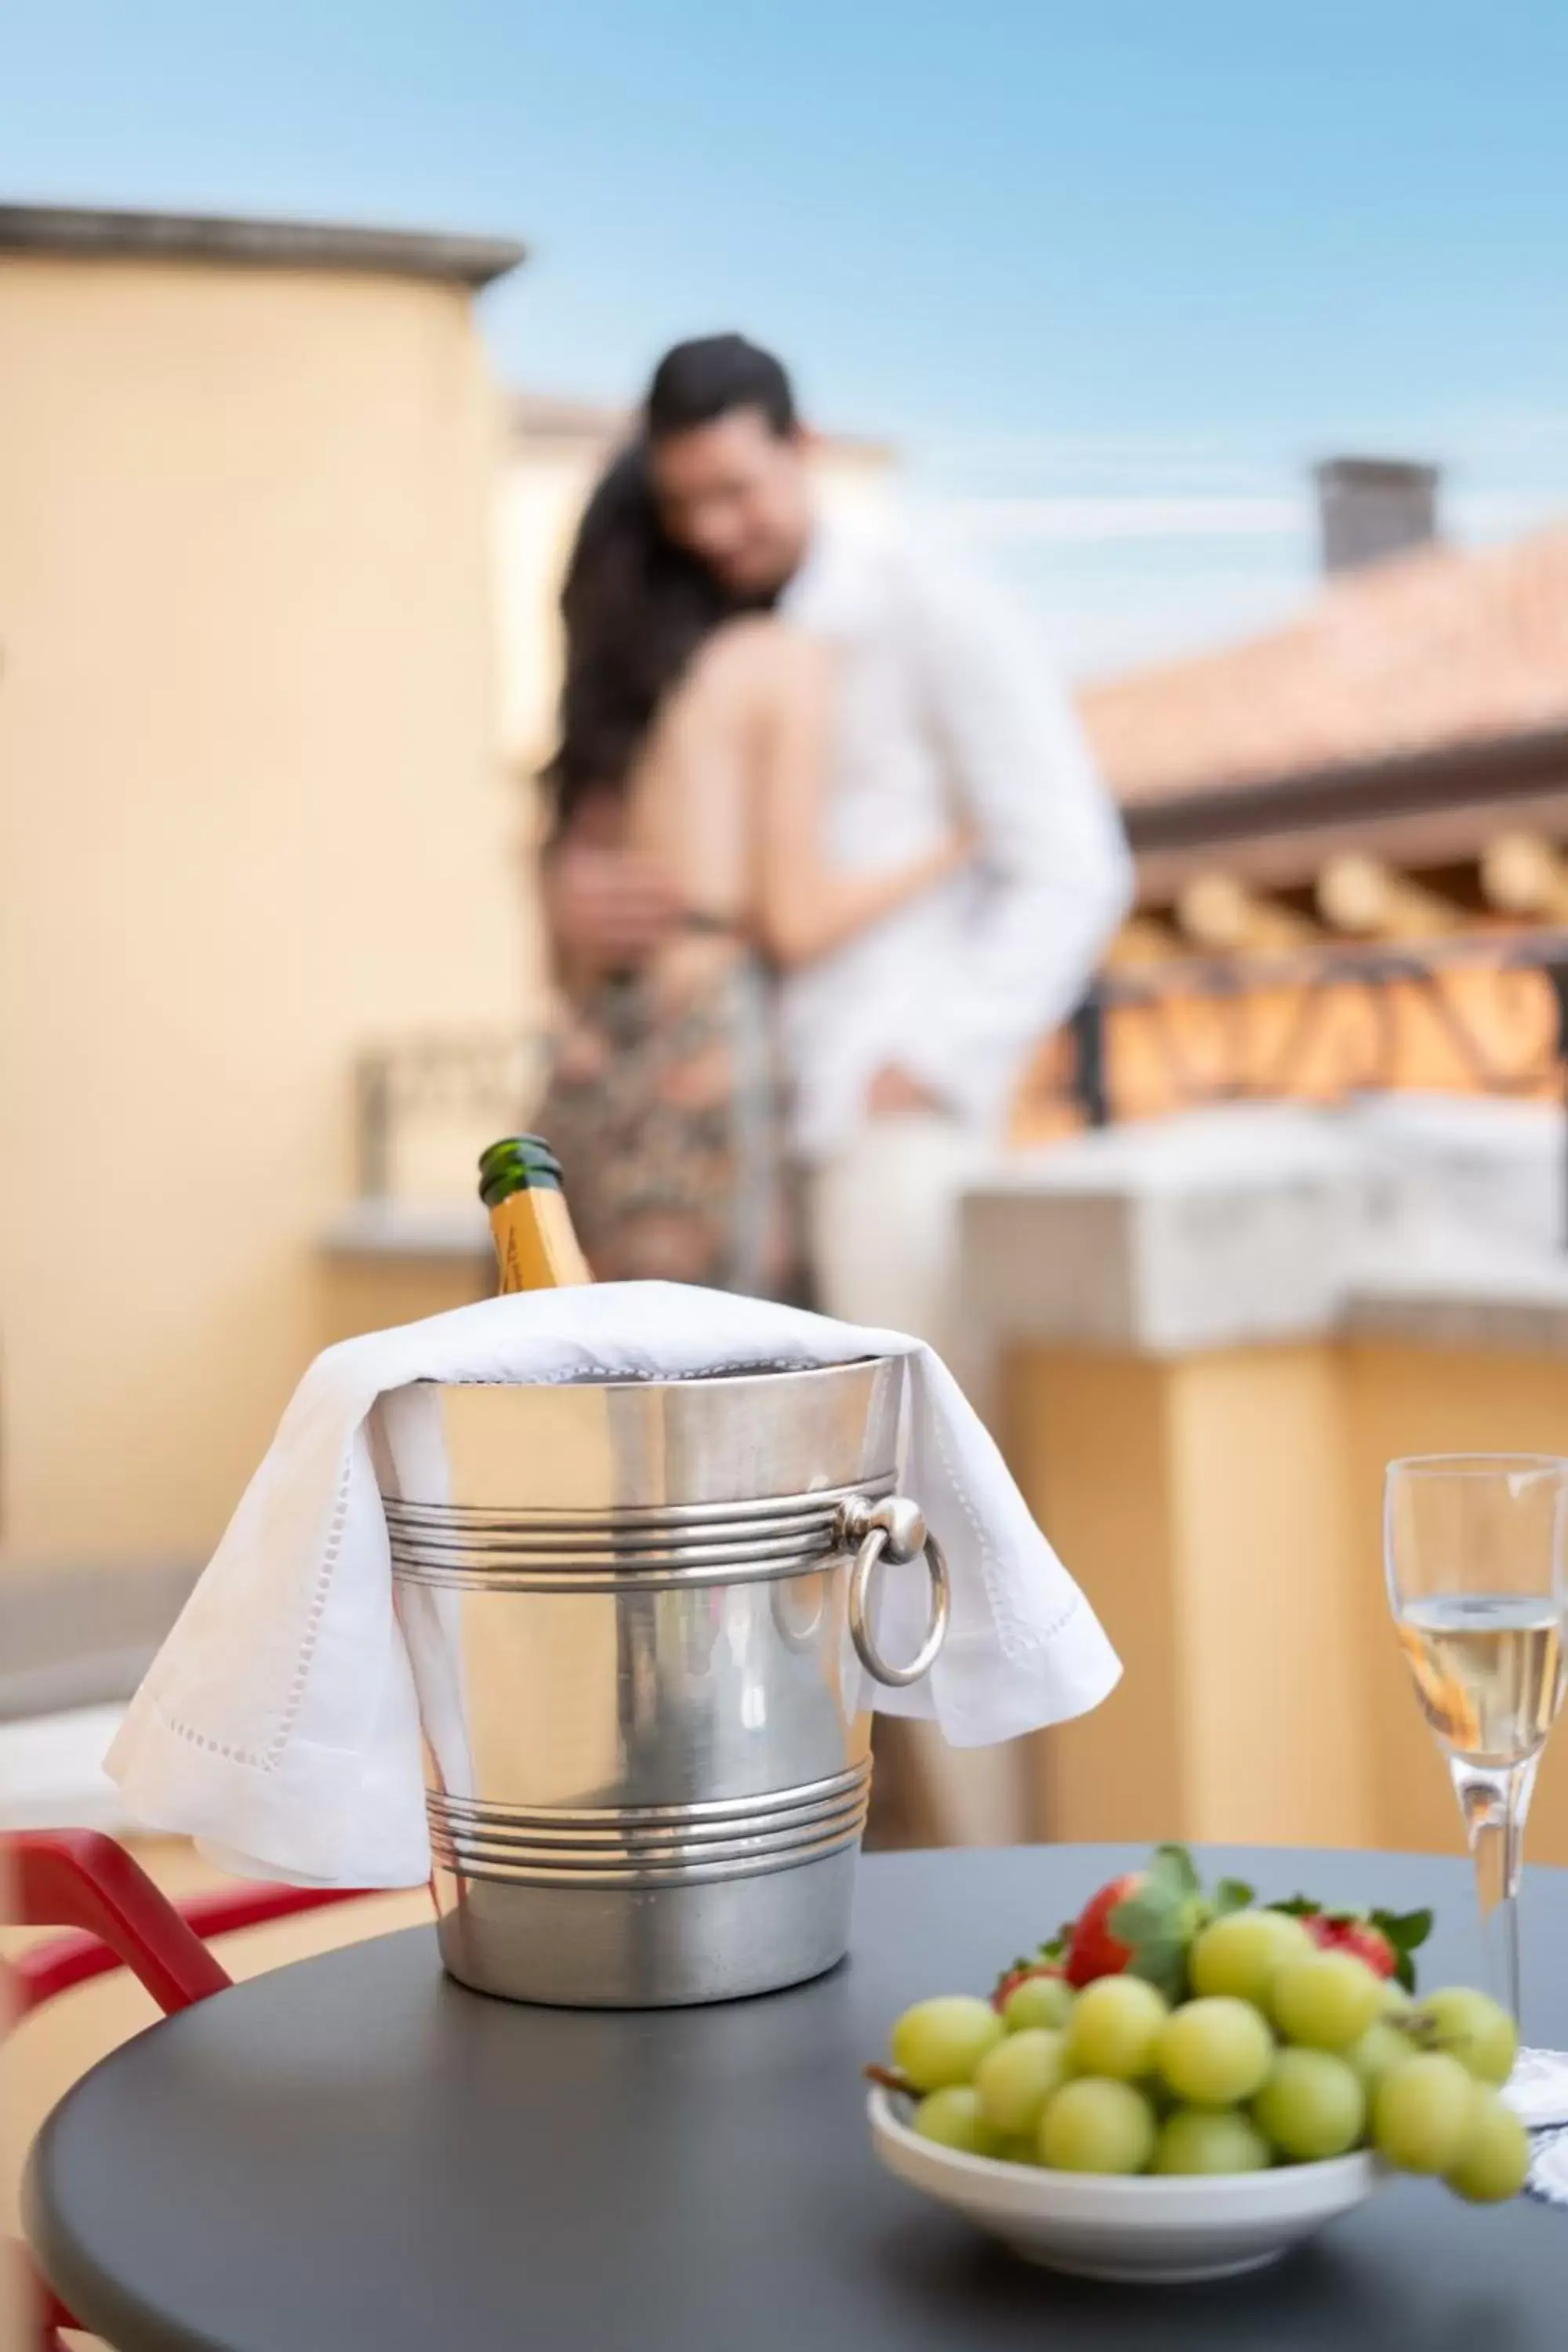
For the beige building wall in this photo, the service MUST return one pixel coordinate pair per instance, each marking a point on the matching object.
(252, 816)
(545, 480)
(1223, 1508)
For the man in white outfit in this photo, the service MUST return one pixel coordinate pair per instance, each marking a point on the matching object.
(906, 1045)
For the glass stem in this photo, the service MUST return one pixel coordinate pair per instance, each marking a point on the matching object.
(1495, 1805)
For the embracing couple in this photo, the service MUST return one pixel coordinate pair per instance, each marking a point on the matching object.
(828, 859)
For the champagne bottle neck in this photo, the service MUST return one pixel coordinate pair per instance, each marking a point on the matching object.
(536, 1245)
(536, 1248)
(518, 1163)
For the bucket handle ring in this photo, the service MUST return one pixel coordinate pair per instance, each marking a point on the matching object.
(893, 1529)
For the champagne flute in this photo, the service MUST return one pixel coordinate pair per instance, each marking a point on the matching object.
(1476, 1551)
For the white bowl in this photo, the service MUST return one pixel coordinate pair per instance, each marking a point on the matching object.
(1157, 2229)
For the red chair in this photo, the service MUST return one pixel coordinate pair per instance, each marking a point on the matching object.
(81, 1880)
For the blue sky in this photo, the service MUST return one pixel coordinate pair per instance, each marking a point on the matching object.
(1111, 275)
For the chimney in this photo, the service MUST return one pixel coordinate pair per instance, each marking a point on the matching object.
(1370, 508)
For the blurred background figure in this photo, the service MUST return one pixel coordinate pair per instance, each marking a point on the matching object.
(819, 884)
(882, 799)
(690, 868)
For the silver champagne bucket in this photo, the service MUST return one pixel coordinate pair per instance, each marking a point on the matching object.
(636, 1613)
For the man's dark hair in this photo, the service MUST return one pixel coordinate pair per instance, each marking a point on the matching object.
(712, 376)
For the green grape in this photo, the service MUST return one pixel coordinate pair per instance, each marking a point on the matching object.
(1476, 2031)
(1380, 2046)
(1325, 2002)
(1015, 2078)
(1311, 2106)
(1038, 2000)
(1210, 2139)
(1021, 2151)
(953, 2118)
(1213, 2052)
(940, 2042)
(1496, 2155)
(1421, 2113)
(1396, 2002)
(1096, 2125)
(1239, 1954)
(1114, 2027)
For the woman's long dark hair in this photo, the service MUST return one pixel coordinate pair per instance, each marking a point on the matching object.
(634, 605)
(635, 608)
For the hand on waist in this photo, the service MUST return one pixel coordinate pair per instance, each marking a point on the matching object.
(893, 1093)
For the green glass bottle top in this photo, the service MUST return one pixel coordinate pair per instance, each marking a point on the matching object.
(518, 1163)
(521, 1185)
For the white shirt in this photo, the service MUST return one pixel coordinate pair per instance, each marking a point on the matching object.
(946, 707)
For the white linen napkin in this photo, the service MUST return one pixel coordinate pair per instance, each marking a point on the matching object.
(277, 1725)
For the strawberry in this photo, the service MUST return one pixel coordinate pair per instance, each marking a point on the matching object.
(1146, 1924)
(1386, 1940)
(1087, 1947)
(1020, 1973)
(1093, 1951)
(1142, 1924)
(1358, 1936)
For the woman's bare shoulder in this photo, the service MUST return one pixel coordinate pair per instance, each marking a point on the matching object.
(754, 653)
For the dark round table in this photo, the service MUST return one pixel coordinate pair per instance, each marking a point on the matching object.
(354, 2151)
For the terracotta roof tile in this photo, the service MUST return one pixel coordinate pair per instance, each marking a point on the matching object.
(1440, 647)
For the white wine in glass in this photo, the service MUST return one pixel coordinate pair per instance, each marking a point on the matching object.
(1476, 1549)
(1488, 1673)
